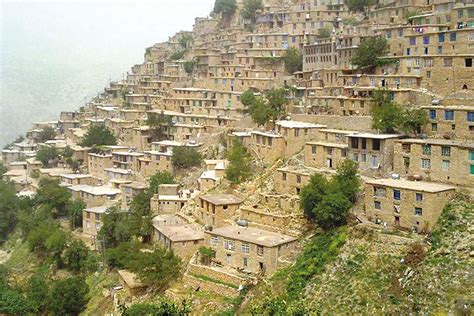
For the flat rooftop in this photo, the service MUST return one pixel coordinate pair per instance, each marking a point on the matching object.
(252, 235)
(326, 144)
(95, 190)
(374, 136)
(298, 124)
(421, 186)
(180, 233)
(97, 210)
(222, 199)
(441, 142)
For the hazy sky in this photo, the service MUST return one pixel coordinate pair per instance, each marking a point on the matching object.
(54, 54)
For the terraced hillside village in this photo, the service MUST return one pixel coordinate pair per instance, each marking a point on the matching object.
(284, 157)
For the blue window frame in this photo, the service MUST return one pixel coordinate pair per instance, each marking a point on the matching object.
(452, 36)
(470, 116)
(449, 115)
(377, 205)
(396, 195)
(412, 40)
(433, 114)
(441, 38)
(426, 40)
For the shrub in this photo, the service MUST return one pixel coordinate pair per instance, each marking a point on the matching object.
(226, 7)
(368, 53)
(206, 255)
(415, 255)
(177, 55)
(163, 307)
(249, 9)
(185, 157)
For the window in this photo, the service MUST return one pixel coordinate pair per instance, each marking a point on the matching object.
(432, 114)
(471, 170)
(284, 176)
(448, 62)
(379, 191)
(426, 40)
(396, 195)
(425, 163)
(354, 143)
(446, 151)
(452, 36)
(355, 157)
(449, 115)
(445, 165)
(418, 211)
(471, 155)
(406, 148)
(260, 250)
(298, 179)
(245, 247)
(245, 262)
(434, 127)
(313, 149)
(377, 205)
(426, 149)
(214, 241)
(470, 116)
(441, 37)
(470, 13)
(375, 144)
(412, 40)
(364, 143)
(363, 157)
(229, 244)
(468, 62)
(419, 197)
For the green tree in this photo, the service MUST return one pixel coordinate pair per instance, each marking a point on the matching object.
(158, 268)
(98, 135)
(226, 7)
(240, 163)
(293, 59)
(55, 244)
(328, 203)
(262, 110)
(160, 125)
(37, 292)
(67, 152)
(116, 228)
(385, 117)
(185, 40)
(47, 133)
(412, 120)
(8, 209)
(249, 9)
(159, 178)
(358, 5)
(46, 155)
(76, 256)
(160, 308)
(74, 211)
(367, 55)
(177, 55)
(247, 98)
(3, 170)
(189, 66)
(332, 211)
(312, 194)
(324, 32)
(185, 157)
(69, 296)
(13, 303)
(51, 193)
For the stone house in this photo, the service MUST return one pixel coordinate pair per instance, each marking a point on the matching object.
(170, 199)
(324, 155)
(97, 163)
(216, 209)
(290, 180)
(251, 249)
(440, 160)
(454, 122)
(215, 171)
(129, 191)
(373, 152)
(183, 241)
(77, 179)
(414, 205)
(92, 220)
(94, 195)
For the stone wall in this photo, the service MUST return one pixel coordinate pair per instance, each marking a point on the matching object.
(356, 123)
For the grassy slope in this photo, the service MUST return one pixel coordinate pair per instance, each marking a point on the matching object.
(369, 277)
